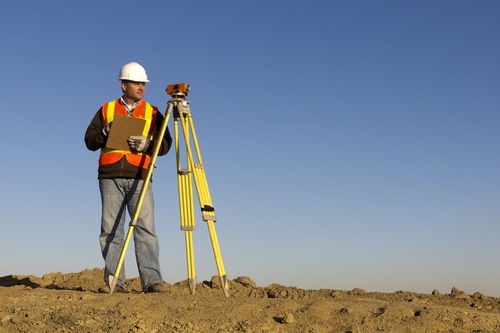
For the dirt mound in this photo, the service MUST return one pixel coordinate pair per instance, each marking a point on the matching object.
(86, 280)
(59, 302)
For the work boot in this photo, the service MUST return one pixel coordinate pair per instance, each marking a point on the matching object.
(155, 288)
(118, 290)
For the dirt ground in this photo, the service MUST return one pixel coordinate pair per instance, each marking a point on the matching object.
(71, 303)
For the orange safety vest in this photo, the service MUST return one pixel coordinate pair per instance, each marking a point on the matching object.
(143, 110)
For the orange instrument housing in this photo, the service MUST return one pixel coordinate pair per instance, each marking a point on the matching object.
(177, 89)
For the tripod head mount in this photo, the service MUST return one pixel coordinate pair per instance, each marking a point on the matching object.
(178, 90)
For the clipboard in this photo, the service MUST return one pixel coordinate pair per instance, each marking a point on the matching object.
(121, 129)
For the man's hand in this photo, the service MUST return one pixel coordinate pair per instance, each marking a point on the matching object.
(138, 142)
(106, 129)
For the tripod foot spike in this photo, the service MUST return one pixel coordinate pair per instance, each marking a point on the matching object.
(224, 284)
(192, 285)
(112, 280)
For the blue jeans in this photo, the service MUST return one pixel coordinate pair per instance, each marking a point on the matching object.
(117, 195)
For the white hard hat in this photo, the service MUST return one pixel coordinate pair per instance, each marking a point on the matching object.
(133, 72)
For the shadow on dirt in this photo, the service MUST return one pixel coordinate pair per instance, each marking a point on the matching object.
(10, 281)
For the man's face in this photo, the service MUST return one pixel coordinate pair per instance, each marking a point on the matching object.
(134, 90)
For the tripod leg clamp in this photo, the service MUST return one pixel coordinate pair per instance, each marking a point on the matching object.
(208, 209)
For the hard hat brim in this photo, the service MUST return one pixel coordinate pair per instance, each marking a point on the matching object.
(142, 81)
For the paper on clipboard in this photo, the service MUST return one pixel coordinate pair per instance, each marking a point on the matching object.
(121, 129)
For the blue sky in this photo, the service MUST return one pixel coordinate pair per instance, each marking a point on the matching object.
(346, 143)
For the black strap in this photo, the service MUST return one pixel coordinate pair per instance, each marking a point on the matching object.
(207, 208)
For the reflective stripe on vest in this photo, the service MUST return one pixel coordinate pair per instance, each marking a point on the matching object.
(143, 110)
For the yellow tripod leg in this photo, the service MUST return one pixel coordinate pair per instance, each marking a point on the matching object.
(204, 198)
(224, 282)
(186, 209)
(113, 279)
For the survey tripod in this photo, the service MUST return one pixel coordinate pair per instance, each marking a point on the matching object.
(178, 105)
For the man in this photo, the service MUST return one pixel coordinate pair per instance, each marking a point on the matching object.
(121, 175)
